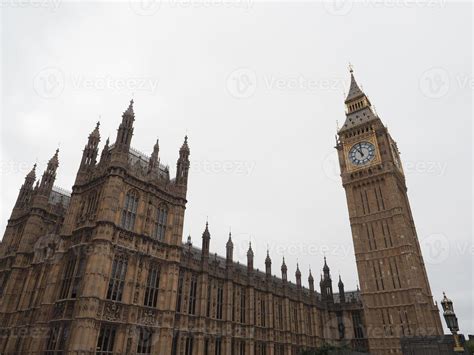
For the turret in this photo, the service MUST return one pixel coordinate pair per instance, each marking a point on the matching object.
(268, 265)
(311, 281)
(284, 271)
(182, 166)
(250, 258)
(105, 155)
(340, 285)
(229, 251)
(326, 284)
(125, 130)
(298, 276)
(206, 238)
(89, 154)
(26, 189)
(49, 176)
(154, 159)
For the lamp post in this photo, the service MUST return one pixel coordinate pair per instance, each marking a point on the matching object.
(452, 322)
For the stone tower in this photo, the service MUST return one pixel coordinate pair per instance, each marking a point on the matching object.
(394, 283)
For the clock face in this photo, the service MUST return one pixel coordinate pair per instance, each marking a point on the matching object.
(362, 153)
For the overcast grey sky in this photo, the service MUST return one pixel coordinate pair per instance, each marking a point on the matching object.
(258, 87)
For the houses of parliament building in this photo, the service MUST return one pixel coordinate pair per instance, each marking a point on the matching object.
(104, 269)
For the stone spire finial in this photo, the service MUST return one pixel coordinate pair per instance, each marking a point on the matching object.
(31, 176)
(284, 271)
(206, 237)
(298, 275)
(311, 281)
(268, 264)
(129, 111)
(250, 258)
(229, 250)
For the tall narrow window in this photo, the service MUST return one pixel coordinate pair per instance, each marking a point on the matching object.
(78, 275)
(144, 341)
(309, 321)
(129, 212)
(263, 313)
(67, 278)
(357, 324)
(242, 348)
(3, 282)
(218, 346)
(179, 295)
(105, 342)
(242, 307)
(233, 305)
(192, 295)
(280, 315)
(73, 273)
(174, 345)
(117, 278)
(160, 223)
(152, 286)
(220, 300)
(57, 339)
(189, 346)
(208, 307)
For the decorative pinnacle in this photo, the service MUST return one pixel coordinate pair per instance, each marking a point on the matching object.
(32, 173)
(351, 68)
(129, 110)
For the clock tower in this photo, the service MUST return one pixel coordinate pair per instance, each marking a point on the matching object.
(394, 283)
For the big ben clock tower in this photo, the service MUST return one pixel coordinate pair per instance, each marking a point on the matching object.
(394, 284)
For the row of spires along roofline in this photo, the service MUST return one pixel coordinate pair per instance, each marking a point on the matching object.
(93, 141)
(124, 136)
(325, 274)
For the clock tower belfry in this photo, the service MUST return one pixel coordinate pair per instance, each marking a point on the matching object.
(393, 279)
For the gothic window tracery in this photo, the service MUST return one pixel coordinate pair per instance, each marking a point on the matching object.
(129, 211)
(72, 277)
(152, 286)
(160, 223)
(57, 339)
(117, 278)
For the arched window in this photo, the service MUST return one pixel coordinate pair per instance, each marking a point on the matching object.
(160, 223)
(129, 212)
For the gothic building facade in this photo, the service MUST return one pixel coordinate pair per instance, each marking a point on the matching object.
(104, 270)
